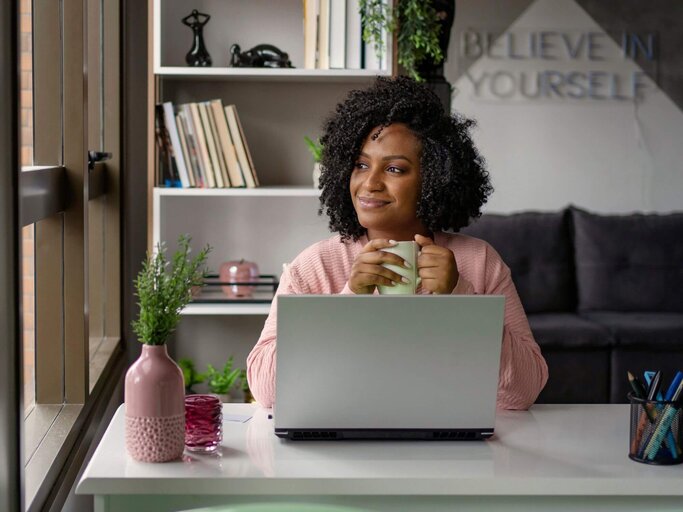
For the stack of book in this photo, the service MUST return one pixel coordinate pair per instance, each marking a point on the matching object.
(202, 145)
(333, 37)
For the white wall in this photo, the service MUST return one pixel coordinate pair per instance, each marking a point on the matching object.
(605, 155)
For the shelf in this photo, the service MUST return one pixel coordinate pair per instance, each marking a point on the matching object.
(283, 191)
(226, 309)
(269, 74)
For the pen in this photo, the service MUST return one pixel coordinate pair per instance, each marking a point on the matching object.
(674, 386)
(654, 386)
(669, 394)
(670, 441)
(663, 424)
(649, 375)
(638, 389)
(645, 415)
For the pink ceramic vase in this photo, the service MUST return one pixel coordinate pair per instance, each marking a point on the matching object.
(155, 407)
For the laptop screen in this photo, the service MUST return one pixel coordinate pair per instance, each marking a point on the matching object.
(387, 363)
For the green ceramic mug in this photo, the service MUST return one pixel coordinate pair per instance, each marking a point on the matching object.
(408, 251)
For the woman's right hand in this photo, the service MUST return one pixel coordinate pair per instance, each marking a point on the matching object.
(367, 271)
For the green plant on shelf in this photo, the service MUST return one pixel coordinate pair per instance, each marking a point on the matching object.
(190, 375)
(244, 384)
(416, 25)
(224, 381)
(314, 147)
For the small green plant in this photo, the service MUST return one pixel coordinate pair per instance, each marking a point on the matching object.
(222, 382)
(162, 295)
(315, 148)
(190, 374)
(244, 384)
(416, 25)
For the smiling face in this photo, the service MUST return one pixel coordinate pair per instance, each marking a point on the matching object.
(385, 184)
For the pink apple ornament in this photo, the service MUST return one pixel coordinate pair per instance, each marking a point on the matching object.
(238, 271)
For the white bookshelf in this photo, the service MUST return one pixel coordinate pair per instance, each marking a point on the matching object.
(226, 309)
(277, 191)
(281, 75)
(270, 224)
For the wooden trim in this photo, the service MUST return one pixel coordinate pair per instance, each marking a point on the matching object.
(152, 89)
(11, 407)
(42, 193)
(97, 181)
(93, 34)
(112, 143)
(49, 300)
(394, 43)
(49, 248)
(97, 294)
(76, 217)
(47, 83)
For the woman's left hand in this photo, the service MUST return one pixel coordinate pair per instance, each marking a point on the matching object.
(436, 266)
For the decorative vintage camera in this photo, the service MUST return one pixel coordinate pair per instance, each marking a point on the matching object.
(260, 56)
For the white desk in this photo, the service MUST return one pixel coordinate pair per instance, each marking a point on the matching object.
(560, 457)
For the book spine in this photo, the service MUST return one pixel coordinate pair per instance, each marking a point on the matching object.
(324, 35)
(201, 143)
(227, 146)
(354, 36)
(337, 34)
(310, 33)
(191, 146)
(182, 135)
(200, 178)
(246, 149)
(169, 119)
(208, 137)
(168, 173)
(230, 112)
(217, 143)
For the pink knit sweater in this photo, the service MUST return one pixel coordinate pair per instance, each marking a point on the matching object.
(324, 267)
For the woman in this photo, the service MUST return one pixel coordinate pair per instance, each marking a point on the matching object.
(397, 167)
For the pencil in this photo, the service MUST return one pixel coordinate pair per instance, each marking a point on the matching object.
(639, 432)
(637, 387)
(639, 392)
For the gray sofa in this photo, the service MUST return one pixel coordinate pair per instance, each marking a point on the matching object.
(603, 294)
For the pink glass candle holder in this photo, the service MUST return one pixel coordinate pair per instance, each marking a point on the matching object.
(203, 423)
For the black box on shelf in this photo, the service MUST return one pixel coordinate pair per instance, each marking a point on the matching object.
(215, 291)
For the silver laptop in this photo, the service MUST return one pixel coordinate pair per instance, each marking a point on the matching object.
(387, 366)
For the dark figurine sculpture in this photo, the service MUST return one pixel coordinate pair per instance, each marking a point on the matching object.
(198, 55)
(260, 56)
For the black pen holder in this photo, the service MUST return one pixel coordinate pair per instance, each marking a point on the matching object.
(656, 431)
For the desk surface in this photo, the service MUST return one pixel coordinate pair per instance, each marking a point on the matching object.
(548, 450)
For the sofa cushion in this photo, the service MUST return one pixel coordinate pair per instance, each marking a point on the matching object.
(576, 376)
(655, 331)
(537, 248)
(568, 331)
(629, 262)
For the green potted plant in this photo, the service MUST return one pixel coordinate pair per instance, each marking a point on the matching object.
(416, 25)
(191, 376)
(316, 150)
(154, 387)
(244, 384)
(221, 383)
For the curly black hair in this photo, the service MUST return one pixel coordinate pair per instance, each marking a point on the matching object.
(455, 183)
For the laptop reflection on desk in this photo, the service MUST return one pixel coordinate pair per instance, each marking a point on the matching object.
(387, 366)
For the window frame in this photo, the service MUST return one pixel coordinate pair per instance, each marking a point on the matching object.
(11, 414)
(57, 194)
